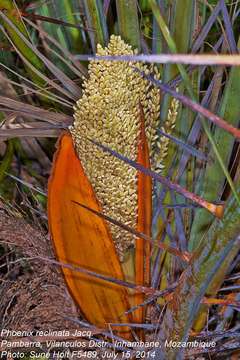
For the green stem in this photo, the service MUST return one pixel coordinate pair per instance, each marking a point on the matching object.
(128, 22)
(97, 22)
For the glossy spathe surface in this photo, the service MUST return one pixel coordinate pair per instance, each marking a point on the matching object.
(83, 239)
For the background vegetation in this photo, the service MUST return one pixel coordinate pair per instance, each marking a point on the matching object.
(41, 80)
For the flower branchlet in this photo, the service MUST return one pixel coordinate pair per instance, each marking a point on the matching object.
(109, 113)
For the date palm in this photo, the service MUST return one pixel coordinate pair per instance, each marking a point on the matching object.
(143, 201)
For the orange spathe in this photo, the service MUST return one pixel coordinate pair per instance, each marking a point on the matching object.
(83, 239)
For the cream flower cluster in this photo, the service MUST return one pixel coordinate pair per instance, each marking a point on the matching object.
(109, 112)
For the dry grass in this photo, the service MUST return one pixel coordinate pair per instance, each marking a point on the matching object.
(33, 293)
